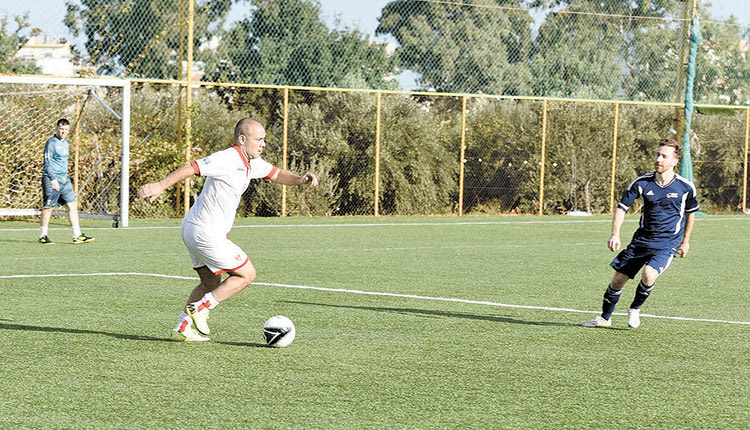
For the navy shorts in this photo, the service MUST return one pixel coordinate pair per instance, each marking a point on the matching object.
(53, 198)
(631, 259)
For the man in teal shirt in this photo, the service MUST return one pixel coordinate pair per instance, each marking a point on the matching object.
(56, 187)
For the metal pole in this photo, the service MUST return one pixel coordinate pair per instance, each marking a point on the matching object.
(284, 148)
(678, 110)
(79, 111)
(744, 176)
(543, 156)
(189, 100)
(614, 160)
(462, 155)
(377, 152)
(178, 186)
(125, 160)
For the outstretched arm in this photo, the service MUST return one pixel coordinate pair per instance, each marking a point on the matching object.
(286, 177)
(154, 189)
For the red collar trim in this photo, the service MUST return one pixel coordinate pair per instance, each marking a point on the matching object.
(242, 155)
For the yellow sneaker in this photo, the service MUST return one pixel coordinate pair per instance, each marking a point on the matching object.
(199, 314)
(188, 335)
(44, 240)
(82, 239)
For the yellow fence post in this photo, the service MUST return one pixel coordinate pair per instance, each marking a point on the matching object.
(379, 96)
(543, 157)
(462, 155)
(744, 176)
(284, 149)
(614, 159)
(189, 100)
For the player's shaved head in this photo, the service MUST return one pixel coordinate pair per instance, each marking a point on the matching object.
(245, 127)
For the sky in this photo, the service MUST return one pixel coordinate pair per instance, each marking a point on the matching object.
(48, 14)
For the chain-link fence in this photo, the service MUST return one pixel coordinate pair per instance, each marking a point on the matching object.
(589, 49)
(537, 106)
(389, 153)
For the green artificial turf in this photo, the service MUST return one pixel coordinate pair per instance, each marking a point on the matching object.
(468, 323)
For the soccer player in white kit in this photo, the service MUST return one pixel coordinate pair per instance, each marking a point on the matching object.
(204, 228)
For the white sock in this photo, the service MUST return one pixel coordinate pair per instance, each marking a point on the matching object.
(43, 231)
(210, 301)
(76, 230)
(183, 322)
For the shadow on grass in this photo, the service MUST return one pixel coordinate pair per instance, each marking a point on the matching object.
(23, 327)
(30, 241)
(251, 344)
(435, 314)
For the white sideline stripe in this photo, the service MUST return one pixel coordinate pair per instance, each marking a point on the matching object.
(393, 224)
(376, 293)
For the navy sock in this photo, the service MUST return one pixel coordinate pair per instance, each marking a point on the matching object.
(610, 300)
(641, 294)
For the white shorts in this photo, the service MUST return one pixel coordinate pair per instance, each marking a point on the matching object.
(218, 253)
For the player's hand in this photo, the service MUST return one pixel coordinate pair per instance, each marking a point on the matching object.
(682, 251)
(55, 185)
(614, 243)
(309, 178)
(152, 190)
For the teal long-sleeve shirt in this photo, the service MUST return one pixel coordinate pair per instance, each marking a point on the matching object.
(56, 153)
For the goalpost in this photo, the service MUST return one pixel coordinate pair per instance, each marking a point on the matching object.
(99, 115)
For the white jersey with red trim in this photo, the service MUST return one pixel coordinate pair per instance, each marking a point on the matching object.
(228, 174)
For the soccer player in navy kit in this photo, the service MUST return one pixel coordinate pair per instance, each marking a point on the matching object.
(57, 189)
(667, 218)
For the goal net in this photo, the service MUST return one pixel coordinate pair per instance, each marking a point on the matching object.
(99, 115)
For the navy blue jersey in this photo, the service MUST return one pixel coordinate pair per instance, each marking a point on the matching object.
(664, 210)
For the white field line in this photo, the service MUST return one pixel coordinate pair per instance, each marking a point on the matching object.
(397, 224)
(374, 293)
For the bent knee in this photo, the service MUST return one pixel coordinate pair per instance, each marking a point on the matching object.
(649, 275)
(246, 273)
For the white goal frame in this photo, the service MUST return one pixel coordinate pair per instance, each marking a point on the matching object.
(122, 219)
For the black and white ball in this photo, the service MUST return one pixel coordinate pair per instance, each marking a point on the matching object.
(279, 331)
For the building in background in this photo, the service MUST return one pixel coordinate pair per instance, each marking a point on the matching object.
(51, 54)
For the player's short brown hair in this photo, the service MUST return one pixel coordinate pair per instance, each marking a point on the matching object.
(672, 144)
(62, 121)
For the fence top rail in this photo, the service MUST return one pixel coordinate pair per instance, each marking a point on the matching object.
(121, 82)
(54, 80)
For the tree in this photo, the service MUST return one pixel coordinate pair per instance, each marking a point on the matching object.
(9, 45)
(723, 66)
(140, 38)
(285, 42)
(462, 47)
(616, 48)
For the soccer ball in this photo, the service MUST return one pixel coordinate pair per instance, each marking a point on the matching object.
(279, 331)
